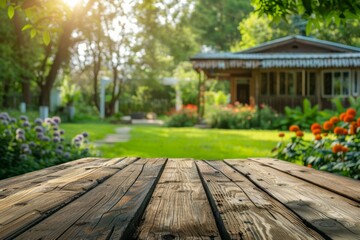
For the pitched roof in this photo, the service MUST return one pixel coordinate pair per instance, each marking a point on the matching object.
(302, 39)
(346, 56)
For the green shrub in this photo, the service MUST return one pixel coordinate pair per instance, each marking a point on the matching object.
(27, 146)
(335, 147)
(242, 117)
(186, 117)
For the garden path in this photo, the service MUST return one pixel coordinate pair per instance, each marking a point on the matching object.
(122, 134)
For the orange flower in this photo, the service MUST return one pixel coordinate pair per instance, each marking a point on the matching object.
(317, 131)
(328, 125)
(342, 116)
(325, 134)
(345, 149)
(345, 131)
(351, 112)
(339, 130)
(299, 134)
(318, 137)
(337, 148)
(294, 128)
(281, 135)
(348, 118)
(334, 120)
(353, 128)
(358, 121)
(315, 126)
(309, 166)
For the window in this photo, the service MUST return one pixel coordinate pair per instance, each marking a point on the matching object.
(336, 83)
(268, 84)
(290, 83)
(310, 84)
(356, 84)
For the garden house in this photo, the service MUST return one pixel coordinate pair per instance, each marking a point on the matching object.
(283, 72)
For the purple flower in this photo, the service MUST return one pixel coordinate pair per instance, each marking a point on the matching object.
(26, 124)
(80, 137)
(38, 121)
(19, 131)
(23, 157)
(40, 135)
(20, 137)
(60, 147)
(32, 144)
(7, 132)
(13, 120)
(4, 122)
(24, 145)
(45, 139)
(62, 132)
(56, 139)
(27, 150)
(56, 134)
(23, 118)
(58, 151)
(62, 139)
(55, 128)
(56, 119)
(67, 155)
(38, 129)
(85, 134)
(77, 144)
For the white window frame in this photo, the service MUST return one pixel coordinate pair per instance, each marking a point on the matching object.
(356, 78)
(332, 85)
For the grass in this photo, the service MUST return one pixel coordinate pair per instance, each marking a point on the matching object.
(152, 141)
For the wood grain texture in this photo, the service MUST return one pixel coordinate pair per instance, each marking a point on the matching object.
(27, 207)
(179, 208)
(107, 211)
(245, 210)
(333, 215)
(345, 186)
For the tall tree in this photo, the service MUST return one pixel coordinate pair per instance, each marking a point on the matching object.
(216, 21)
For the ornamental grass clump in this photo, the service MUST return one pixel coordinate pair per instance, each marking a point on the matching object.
(26, 146)
(335, 146)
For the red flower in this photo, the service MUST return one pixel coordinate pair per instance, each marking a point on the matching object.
(294, 128)
(339, 130)
(337, 148)
(299, 134)
(348, 118)
(328, 125)
(315, 126)
(317, 131)
(318, 137)
(334, 120)
(351, 112)
(342, 116)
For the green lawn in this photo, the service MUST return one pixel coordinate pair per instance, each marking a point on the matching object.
(149, 141)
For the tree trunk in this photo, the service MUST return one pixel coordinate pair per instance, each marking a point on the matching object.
(62, 51)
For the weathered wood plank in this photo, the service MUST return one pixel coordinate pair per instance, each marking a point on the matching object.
(107, 211)
(335, 216)
(345, 186)
(179, 208)
(245, 210)
(25, 208)
(29, 180)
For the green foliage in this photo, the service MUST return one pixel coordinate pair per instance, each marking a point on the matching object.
(186, 117)
(314, 11)
(334, 148)
(70, 93)
(215, 22)
(27, 146)
(242, 117)
(302, 117)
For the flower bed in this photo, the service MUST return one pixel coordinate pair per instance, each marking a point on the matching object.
(335, 146)
(27, 146)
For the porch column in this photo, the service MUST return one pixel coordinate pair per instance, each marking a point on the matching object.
(201, 99)
(232, 90)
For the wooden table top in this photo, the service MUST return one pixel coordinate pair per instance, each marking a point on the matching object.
(132, 198)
